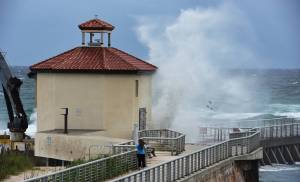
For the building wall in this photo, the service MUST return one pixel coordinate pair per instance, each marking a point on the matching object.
(95, 101)
(73, 146)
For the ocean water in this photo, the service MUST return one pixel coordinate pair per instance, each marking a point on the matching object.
(277, 94)
(27, 92)
(279, 173)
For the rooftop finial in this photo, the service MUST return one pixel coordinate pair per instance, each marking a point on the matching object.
(96, 16)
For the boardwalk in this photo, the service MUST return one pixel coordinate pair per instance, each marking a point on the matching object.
(240, 145)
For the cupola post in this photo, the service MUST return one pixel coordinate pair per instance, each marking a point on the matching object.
(101, 41)
(83, 38)
(108, 41)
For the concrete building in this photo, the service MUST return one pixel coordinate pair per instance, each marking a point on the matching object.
(107, 92)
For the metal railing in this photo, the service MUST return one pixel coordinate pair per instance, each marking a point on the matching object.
(123, 147)
(240, 134)
(209, 135)
(280, 131)
(279, 121)
(98, 170)
(160, 139)
(163, 133)
(103, 169)
(119, 148)
(187, 164)
(123, 160)
(164, 140)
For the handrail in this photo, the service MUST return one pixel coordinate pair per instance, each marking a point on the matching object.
(81, 168)
(160, 138)
(279, 125)
(280, 131)
(184, 165)
(165, 139)
(245, 143)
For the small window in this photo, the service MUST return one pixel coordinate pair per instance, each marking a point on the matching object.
(136, 88)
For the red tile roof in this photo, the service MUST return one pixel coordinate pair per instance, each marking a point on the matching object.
(96, 24)
(93, 59)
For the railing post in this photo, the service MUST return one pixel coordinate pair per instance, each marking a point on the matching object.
(227, 148)
(202, 159)
(187, 166)
(163, 173)
(182, 167)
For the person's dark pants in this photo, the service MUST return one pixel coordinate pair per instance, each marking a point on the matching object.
(153, 152)
(141, 160)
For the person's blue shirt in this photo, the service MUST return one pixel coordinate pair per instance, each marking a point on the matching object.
(140, 149)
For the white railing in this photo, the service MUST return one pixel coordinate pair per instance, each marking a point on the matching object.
(241, 143)
(160, 139)
(280, 131)
(98, 170)
(123, 160)
(187, 164)
(164, 140)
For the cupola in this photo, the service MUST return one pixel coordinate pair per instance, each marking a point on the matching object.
(96, 29)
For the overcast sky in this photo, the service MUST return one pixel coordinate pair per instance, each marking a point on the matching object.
(33, 30)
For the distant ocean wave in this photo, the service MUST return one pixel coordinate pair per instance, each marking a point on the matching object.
(290, 114)
(295, 83)
(284, 107)
(279, 167)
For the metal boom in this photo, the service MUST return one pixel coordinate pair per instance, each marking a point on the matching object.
(11, 89)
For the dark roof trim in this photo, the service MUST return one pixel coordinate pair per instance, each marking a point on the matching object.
(33, 73)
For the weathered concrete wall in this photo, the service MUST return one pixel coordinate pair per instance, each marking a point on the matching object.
(95, 101)
(73, 146)
(229, 171)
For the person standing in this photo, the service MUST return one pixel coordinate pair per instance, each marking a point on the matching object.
(140, 147)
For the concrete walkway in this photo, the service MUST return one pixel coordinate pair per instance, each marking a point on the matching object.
(162, 157)
(37, 171)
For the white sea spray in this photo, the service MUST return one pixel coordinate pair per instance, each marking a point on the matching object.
(191, 52)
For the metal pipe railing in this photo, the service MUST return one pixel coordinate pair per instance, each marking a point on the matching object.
(280, 131)
(164, 140)
(107, 168)
(98, 170)
(187, 164)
